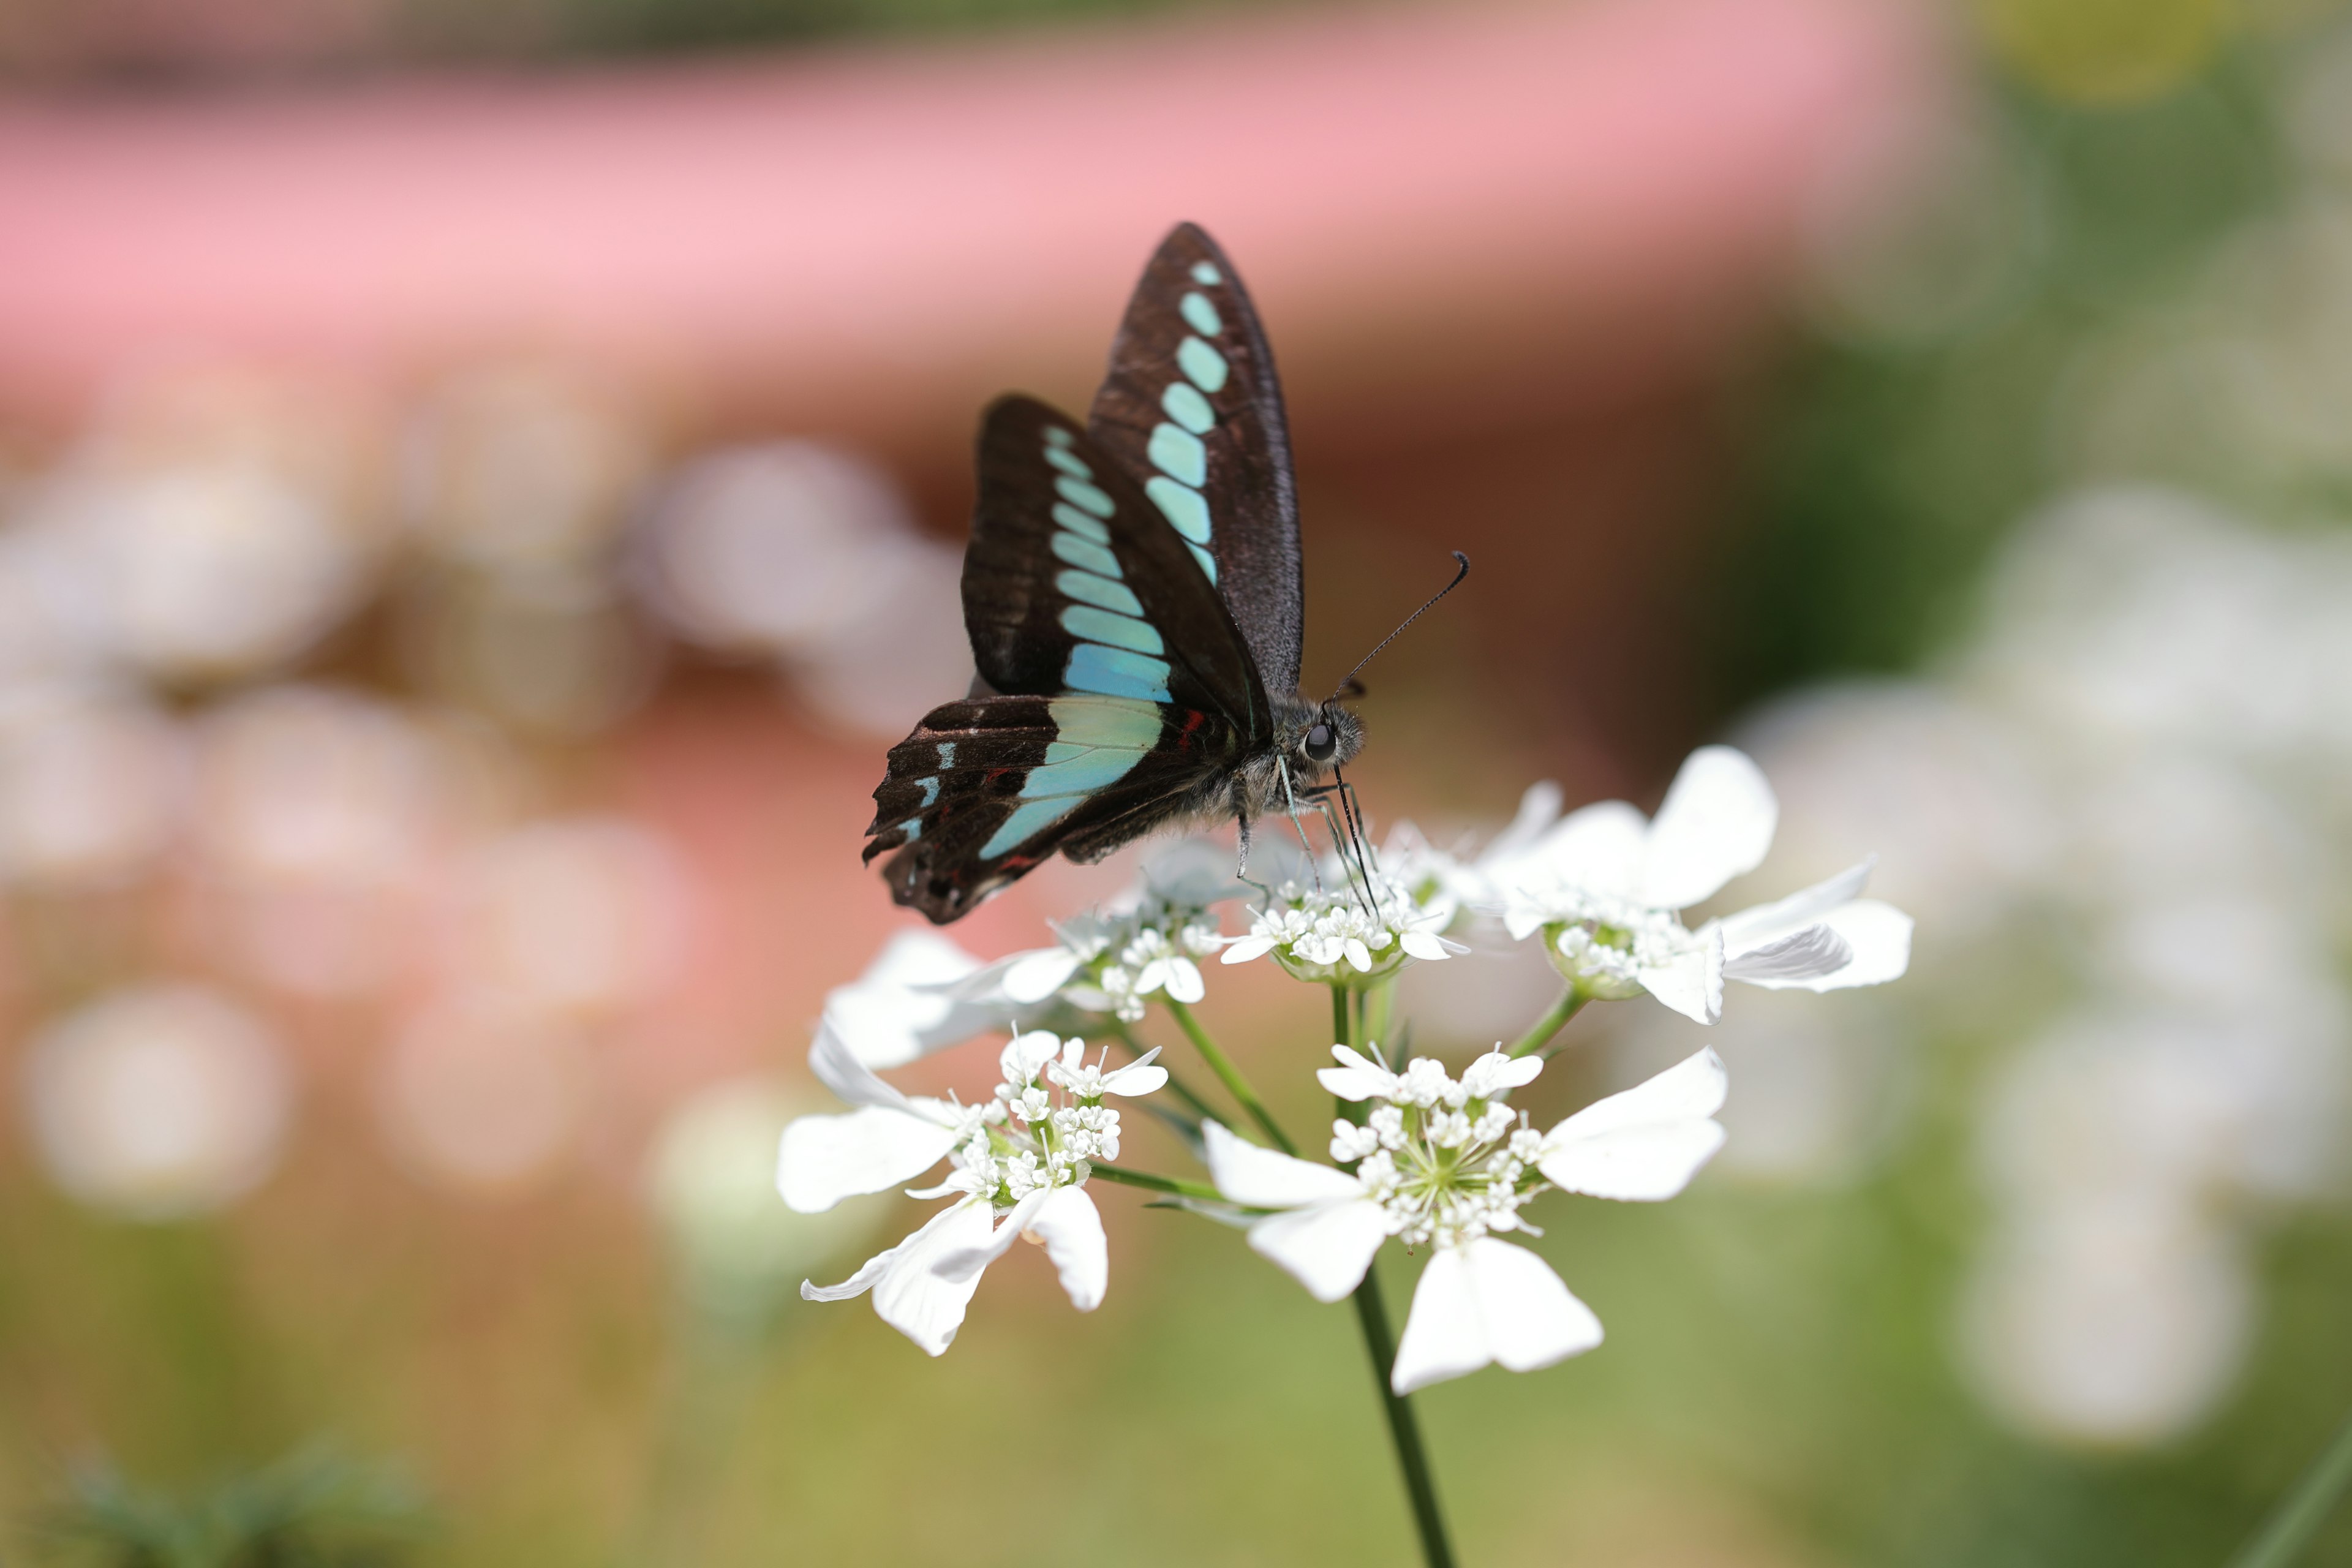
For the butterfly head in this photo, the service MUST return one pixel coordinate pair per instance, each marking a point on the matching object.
(1329, 737)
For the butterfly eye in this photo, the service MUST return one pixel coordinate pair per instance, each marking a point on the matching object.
(1319, 744)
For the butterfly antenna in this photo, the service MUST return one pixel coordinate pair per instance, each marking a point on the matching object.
(1354, 819)
(1463, 562)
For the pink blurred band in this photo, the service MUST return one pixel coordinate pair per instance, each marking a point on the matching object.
(869, 239)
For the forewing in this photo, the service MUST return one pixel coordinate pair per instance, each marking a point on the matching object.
(987, 788)
(1191, 403)
(1073, 582)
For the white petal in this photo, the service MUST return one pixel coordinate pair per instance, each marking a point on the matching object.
(1524, 917)
(1793, 959)
(1716, 822)
(1030, 977)
(1539, 809)
(1136, 1080)
(1766, 924)
(1267, 1179)
(1025, 1056)
(825, 1159)
(911, 1001)
(1138, 1077)
(919, 957)
(1498, 1071)
(1488, 1301)
(1692, 984)
(965, 1263)
(1184, 980)
(1246, 948)
(1423, 945)
(1598, 847)
(1357, 1078)
(1325, 1247)
(1532, 1320)
(1644, 1144)
(1072, 1229)
(912, 1298)
(858, 1284)
(839, 1069)
(1880, 935)
(1358, 955)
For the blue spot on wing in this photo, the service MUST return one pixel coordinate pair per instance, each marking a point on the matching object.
(1117, 672)
(1118, 630)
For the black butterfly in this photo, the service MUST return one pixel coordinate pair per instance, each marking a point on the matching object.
(1133, 594)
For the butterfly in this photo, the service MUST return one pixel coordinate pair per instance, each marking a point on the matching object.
(1134, 597)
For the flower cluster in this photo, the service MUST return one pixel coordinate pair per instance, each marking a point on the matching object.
(1445, 1158)
(1438, 1161)
(1357, 932)
(1605, 886)
(1019, 1166)
(1114, 964)
(1444, 1163)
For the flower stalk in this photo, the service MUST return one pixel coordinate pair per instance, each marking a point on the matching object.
(1171, 1185)
(1228, 1075)
(1380, 1343)
(2305, 1509)
(1404, 1427)
(1571, 1000)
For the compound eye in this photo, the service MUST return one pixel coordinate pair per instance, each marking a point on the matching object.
(1319, 744)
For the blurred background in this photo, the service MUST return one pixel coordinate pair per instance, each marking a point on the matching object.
(480, 485)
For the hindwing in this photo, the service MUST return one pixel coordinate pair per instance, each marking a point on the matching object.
(1192, 404)
(987, 788)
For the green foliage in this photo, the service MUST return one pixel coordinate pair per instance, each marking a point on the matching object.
(310, 1509)
(1892, 463)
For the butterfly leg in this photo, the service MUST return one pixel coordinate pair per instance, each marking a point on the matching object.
(1291, 802)
(1242, 819)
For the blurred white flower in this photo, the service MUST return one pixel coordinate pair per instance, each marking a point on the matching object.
(1956, 800)
(157, 1102)
(711, 1176)
(582, 915)
(775, 549)
(204, 567)
(93, 785)
(321, 814)
(1444, 1163)
(521, 468)
(483, 1098)
(556, 652)
(1604, 886)
(2121, 1322)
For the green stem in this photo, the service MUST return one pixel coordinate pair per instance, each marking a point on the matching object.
(1372, 1316)
(1375, 1013)
(1404, 1430)
(2305, 1508)
(1158, 1184)
(1228, 1074)
(1571, 1002)
(1176, 1086)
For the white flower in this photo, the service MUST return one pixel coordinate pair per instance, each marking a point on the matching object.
(1444, 1163)
(912, 1000)
(1026, 1156)
(1604, 886)
(1333, 934)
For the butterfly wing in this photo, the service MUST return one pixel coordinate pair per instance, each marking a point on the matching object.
(1121, 687)
(1192, 402)
(989, 788)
